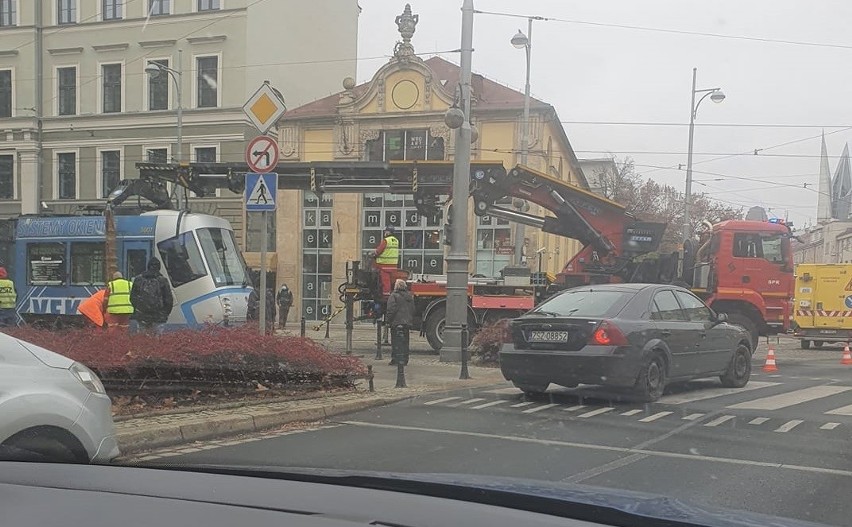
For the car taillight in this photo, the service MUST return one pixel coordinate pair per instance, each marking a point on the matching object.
(607, 334)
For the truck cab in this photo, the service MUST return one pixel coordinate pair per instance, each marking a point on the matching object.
(745, 269)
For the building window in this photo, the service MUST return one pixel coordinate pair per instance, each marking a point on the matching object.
(205, 154)
(7, 176)
(405, 145)
(157, 155)
(111, 9)
(207, 69)
(316, 255)
(67, 175)
(419, 238)
(67, 87)
(6, 93)
(111, 87)
(254, 222)
(494, 248)
(8, 13)
(158, 87)
(208, 5)
(87, 263)
(159, 7)
(110, 171)
(66, 11)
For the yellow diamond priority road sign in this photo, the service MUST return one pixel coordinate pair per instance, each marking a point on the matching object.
(264, 108)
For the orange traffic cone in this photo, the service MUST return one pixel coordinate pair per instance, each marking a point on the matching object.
(847, 356)
(769, 366)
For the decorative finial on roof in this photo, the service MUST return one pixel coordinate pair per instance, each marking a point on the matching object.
(406, 23)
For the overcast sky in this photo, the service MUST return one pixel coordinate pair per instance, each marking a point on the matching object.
(606, 74)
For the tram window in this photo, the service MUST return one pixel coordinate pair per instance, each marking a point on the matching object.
(87, 263)
(223, 257)
(182, 259)
(137, 260)
(46, 263)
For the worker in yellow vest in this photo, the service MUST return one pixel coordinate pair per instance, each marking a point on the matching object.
(387, 258)
(8, 300)
(117, 301)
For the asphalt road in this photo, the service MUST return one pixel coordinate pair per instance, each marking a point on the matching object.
(781, 445)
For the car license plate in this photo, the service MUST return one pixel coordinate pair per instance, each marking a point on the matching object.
(549, 336)
(828, 331)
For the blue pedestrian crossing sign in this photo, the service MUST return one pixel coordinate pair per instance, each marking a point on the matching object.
(261, 192)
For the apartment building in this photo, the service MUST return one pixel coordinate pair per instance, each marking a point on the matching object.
(78, 110)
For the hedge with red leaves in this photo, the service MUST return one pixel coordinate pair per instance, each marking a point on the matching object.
(485, 348)
(211, 355)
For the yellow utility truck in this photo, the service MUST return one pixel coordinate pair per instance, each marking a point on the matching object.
(822, 304)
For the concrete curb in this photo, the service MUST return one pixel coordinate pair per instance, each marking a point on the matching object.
(257, 418)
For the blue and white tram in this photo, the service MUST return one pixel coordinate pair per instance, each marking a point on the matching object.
(58, 261)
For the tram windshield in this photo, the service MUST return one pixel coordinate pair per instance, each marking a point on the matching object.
(224, 259)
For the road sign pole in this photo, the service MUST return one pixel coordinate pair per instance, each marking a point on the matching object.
(263, 235)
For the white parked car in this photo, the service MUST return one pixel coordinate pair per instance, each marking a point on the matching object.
(52, 408)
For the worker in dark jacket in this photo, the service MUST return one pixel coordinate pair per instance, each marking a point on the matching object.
(400, 317)
(151, 297)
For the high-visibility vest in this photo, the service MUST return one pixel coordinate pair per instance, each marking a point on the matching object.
(8, 296)
(390, 256)
(119, 297)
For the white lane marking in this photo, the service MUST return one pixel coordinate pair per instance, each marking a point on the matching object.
(658, 415)
(709, 393)
(489, 405)
(572, 408)
(632, 412)
(505, 391)
(692, 417)
(521, 405)
(829, 426)
(843, 410)
(608, 448)
(539, 408)
(783, 400)
(593, 413)
(720, 420)
(758, 420)
(470, 401)
(789, 425)
(439, 401)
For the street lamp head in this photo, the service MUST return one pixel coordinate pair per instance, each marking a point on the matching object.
(454, 118)
(520, 40)
(153, 69)
(717, 96)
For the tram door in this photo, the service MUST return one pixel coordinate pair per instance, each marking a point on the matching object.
(136, 255)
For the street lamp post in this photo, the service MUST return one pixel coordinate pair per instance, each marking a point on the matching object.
(521, 41)
(716, 95)
(154, 69)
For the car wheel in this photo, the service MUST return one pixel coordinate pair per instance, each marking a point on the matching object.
(531, 388)
(32, 445)
(739, 370)
(818, 344)
(738, 319)
(806, 344)
(652, 378)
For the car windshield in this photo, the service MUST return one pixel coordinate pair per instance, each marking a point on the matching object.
(479, 238)
(586, 303)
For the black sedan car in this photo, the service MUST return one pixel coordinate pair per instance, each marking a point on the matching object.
(628, 335)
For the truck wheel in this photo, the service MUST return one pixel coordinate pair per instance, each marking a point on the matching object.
(818, 344)
(806, 344)
(738, 319)
(434, 326)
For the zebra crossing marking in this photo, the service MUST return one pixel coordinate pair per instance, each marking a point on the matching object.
(489, 405)
(539, 408)
(658, 415)
(789, 425)
(829, 426)
(632, 412)
(720, 420)
(692, 417)
(783, 400)
(593, 413)
(758, 420)
(439, 401)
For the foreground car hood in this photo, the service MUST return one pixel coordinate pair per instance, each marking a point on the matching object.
(46, 357)
(589, 503)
